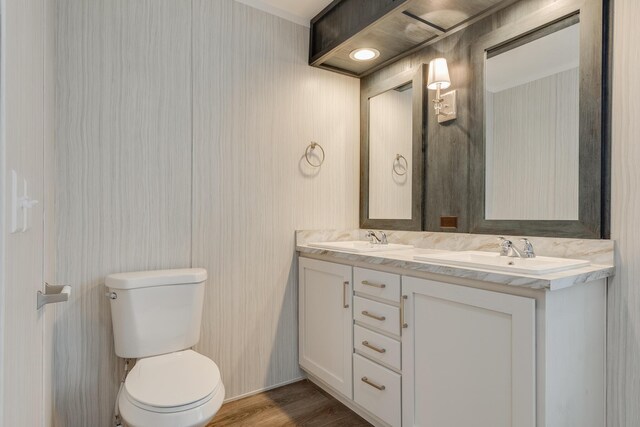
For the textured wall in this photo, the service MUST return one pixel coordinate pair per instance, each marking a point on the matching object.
(624, 291)
(257, 105)
(153, 94)
(123, 164)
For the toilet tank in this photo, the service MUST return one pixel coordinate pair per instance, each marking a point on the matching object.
(156, 312)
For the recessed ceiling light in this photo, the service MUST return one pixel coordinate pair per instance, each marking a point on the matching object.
(364, 54)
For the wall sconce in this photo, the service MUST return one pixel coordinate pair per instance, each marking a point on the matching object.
(445, 105)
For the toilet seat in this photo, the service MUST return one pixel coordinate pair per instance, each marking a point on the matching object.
(171, 381)
(176, 389)
(170, 409)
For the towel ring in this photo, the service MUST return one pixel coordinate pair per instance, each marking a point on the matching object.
(308, 151)
(398, 162)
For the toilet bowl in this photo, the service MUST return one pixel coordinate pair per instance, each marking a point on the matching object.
(177, 389)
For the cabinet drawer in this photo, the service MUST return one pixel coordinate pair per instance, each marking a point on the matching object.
(377, 346)
(377, 283)
(379, 315)
(377, 389)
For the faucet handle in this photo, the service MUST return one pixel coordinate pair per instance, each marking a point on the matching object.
(383, 240)
(505, 246)
(505, 242)
(369, 236)
(373, 237)
(528, 248)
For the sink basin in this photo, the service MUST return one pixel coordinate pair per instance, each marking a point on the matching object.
(358, 246)
(493, 261)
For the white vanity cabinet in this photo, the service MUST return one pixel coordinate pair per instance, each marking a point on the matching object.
(326, 323)
(418, 349)
(468, 357)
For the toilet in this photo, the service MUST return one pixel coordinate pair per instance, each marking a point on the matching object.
(156, 318)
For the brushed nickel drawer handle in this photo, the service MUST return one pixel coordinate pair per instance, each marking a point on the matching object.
(403, 324)
(375, 285)
(373, 347)
(345, 288)
(372, 384)
(373, 316)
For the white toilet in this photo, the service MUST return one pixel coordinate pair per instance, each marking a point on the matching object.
(156, 318)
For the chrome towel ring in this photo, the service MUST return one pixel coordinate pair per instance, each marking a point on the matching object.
(398, 162)
(309, 150)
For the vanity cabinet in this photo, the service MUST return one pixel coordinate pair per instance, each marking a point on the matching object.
(326, 323)
(404, 348)
(468, 357)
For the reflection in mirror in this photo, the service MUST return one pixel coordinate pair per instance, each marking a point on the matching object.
(390, 147)
(532, 127)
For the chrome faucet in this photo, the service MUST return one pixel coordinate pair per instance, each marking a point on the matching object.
(507, 248)
(375, 240)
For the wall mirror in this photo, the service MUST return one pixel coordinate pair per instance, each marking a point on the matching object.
(535, 162)
(391, 153)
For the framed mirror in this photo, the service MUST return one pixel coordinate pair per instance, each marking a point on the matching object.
(391, 154)
(536, 156)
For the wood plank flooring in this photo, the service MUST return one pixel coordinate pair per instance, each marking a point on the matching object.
(297, 404)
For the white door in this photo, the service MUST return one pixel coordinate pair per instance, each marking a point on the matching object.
(468, 357)
(326, 325)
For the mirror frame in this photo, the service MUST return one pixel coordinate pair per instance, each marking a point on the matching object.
(417, 77)
(593, 186)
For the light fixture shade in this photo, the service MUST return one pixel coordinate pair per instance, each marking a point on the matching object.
(438, 74)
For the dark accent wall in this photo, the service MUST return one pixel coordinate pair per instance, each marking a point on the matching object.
(446, 176)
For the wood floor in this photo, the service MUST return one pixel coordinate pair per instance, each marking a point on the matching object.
(298, 404)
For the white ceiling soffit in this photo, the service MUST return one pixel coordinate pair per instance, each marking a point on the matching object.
(298, 11)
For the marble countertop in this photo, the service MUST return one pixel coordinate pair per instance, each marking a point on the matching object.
(404, 259)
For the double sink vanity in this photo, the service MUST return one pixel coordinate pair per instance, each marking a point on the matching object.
(439, 329)
(440, 322)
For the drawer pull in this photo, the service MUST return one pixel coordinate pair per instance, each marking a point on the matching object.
(373, 316)
(403, 323)
(375, 285)
(372, 384)
(373, 347)
(345, 288)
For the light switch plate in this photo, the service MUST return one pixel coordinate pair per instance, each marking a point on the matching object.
(21, 204)
(449, 109)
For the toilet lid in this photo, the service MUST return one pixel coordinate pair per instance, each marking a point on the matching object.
(174, 379)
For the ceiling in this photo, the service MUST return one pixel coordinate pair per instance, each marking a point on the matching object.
(298, 11)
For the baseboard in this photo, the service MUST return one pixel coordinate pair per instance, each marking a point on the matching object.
(261, 390)
(368, 416)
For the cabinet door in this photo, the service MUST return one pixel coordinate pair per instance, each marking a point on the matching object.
(326, 323)
(468, 357)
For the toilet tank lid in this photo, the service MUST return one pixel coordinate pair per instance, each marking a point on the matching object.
(146, 279)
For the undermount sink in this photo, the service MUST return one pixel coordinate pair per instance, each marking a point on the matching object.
(493, 261)
(359, 246)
